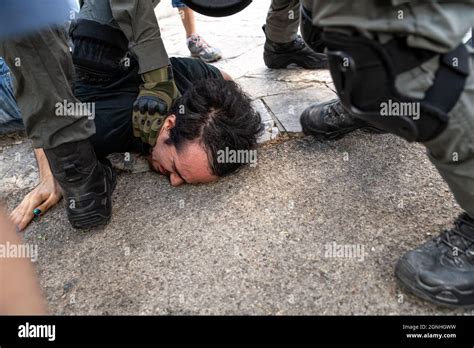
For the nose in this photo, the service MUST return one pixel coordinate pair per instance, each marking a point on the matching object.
(175, 180)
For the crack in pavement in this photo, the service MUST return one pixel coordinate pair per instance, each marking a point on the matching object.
(288, 81)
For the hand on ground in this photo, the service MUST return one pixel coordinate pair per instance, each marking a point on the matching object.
(44, 196)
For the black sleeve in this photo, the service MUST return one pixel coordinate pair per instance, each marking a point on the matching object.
(187, 71)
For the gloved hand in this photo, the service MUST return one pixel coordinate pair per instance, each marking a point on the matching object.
(153, 102)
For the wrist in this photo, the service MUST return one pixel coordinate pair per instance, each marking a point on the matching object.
(158, 75)
(46, 176)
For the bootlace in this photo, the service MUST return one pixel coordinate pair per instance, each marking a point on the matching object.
(333, 110)
(456, 239)
(299, 42)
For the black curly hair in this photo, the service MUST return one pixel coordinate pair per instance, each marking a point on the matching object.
(219, 114)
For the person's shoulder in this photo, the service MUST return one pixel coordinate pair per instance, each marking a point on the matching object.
(193, 69)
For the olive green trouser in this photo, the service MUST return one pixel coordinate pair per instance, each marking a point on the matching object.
(137, 20)
(434, 25)
(452, 152)
(283, 20)
(42, 68)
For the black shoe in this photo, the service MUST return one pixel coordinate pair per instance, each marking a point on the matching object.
(280, 55)
(329, 120)
(442, 270)
(87, 184)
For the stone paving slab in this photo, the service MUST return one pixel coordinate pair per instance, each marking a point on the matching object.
(289, 106)
(271, 130)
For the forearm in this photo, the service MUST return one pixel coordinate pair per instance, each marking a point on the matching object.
(43, 164)
(44, 196)
(137, 20)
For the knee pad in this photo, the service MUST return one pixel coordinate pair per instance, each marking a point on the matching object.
(364, 73)
(312, 35)
(100, 52)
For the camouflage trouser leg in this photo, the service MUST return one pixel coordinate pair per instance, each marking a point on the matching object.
(433, 25)
(452, 152)
(283, 20)
(42, 68)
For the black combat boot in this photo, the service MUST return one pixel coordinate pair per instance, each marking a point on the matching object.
(280, 55)
(442, 270)
(87, 183)
(329, 120)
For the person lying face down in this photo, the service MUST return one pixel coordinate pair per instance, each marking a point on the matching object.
(213, 114)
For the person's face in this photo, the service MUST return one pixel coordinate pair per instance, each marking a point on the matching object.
(190, 165)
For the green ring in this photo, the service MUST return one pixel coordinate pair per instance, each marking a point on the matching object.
(37, 212)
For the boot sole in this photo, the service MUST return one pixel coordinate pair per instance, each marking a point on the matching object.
(418, 290)
(283, 60)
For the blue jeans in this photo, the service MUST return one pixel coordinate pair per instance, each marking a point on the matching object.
(10, 117)
(177, 4)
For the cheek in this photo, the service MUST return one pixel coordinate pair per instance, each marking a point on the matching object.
(202, 173)
(163, 156)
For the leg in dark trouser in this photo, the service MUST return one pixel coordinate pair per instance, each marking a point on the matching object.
(327, 120)
(42, 71)
(42, 68)
(283, 20)
(283, 45)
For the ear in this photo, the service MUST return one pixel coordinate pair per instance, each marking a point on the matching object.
(163, 134)
(170, 122)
